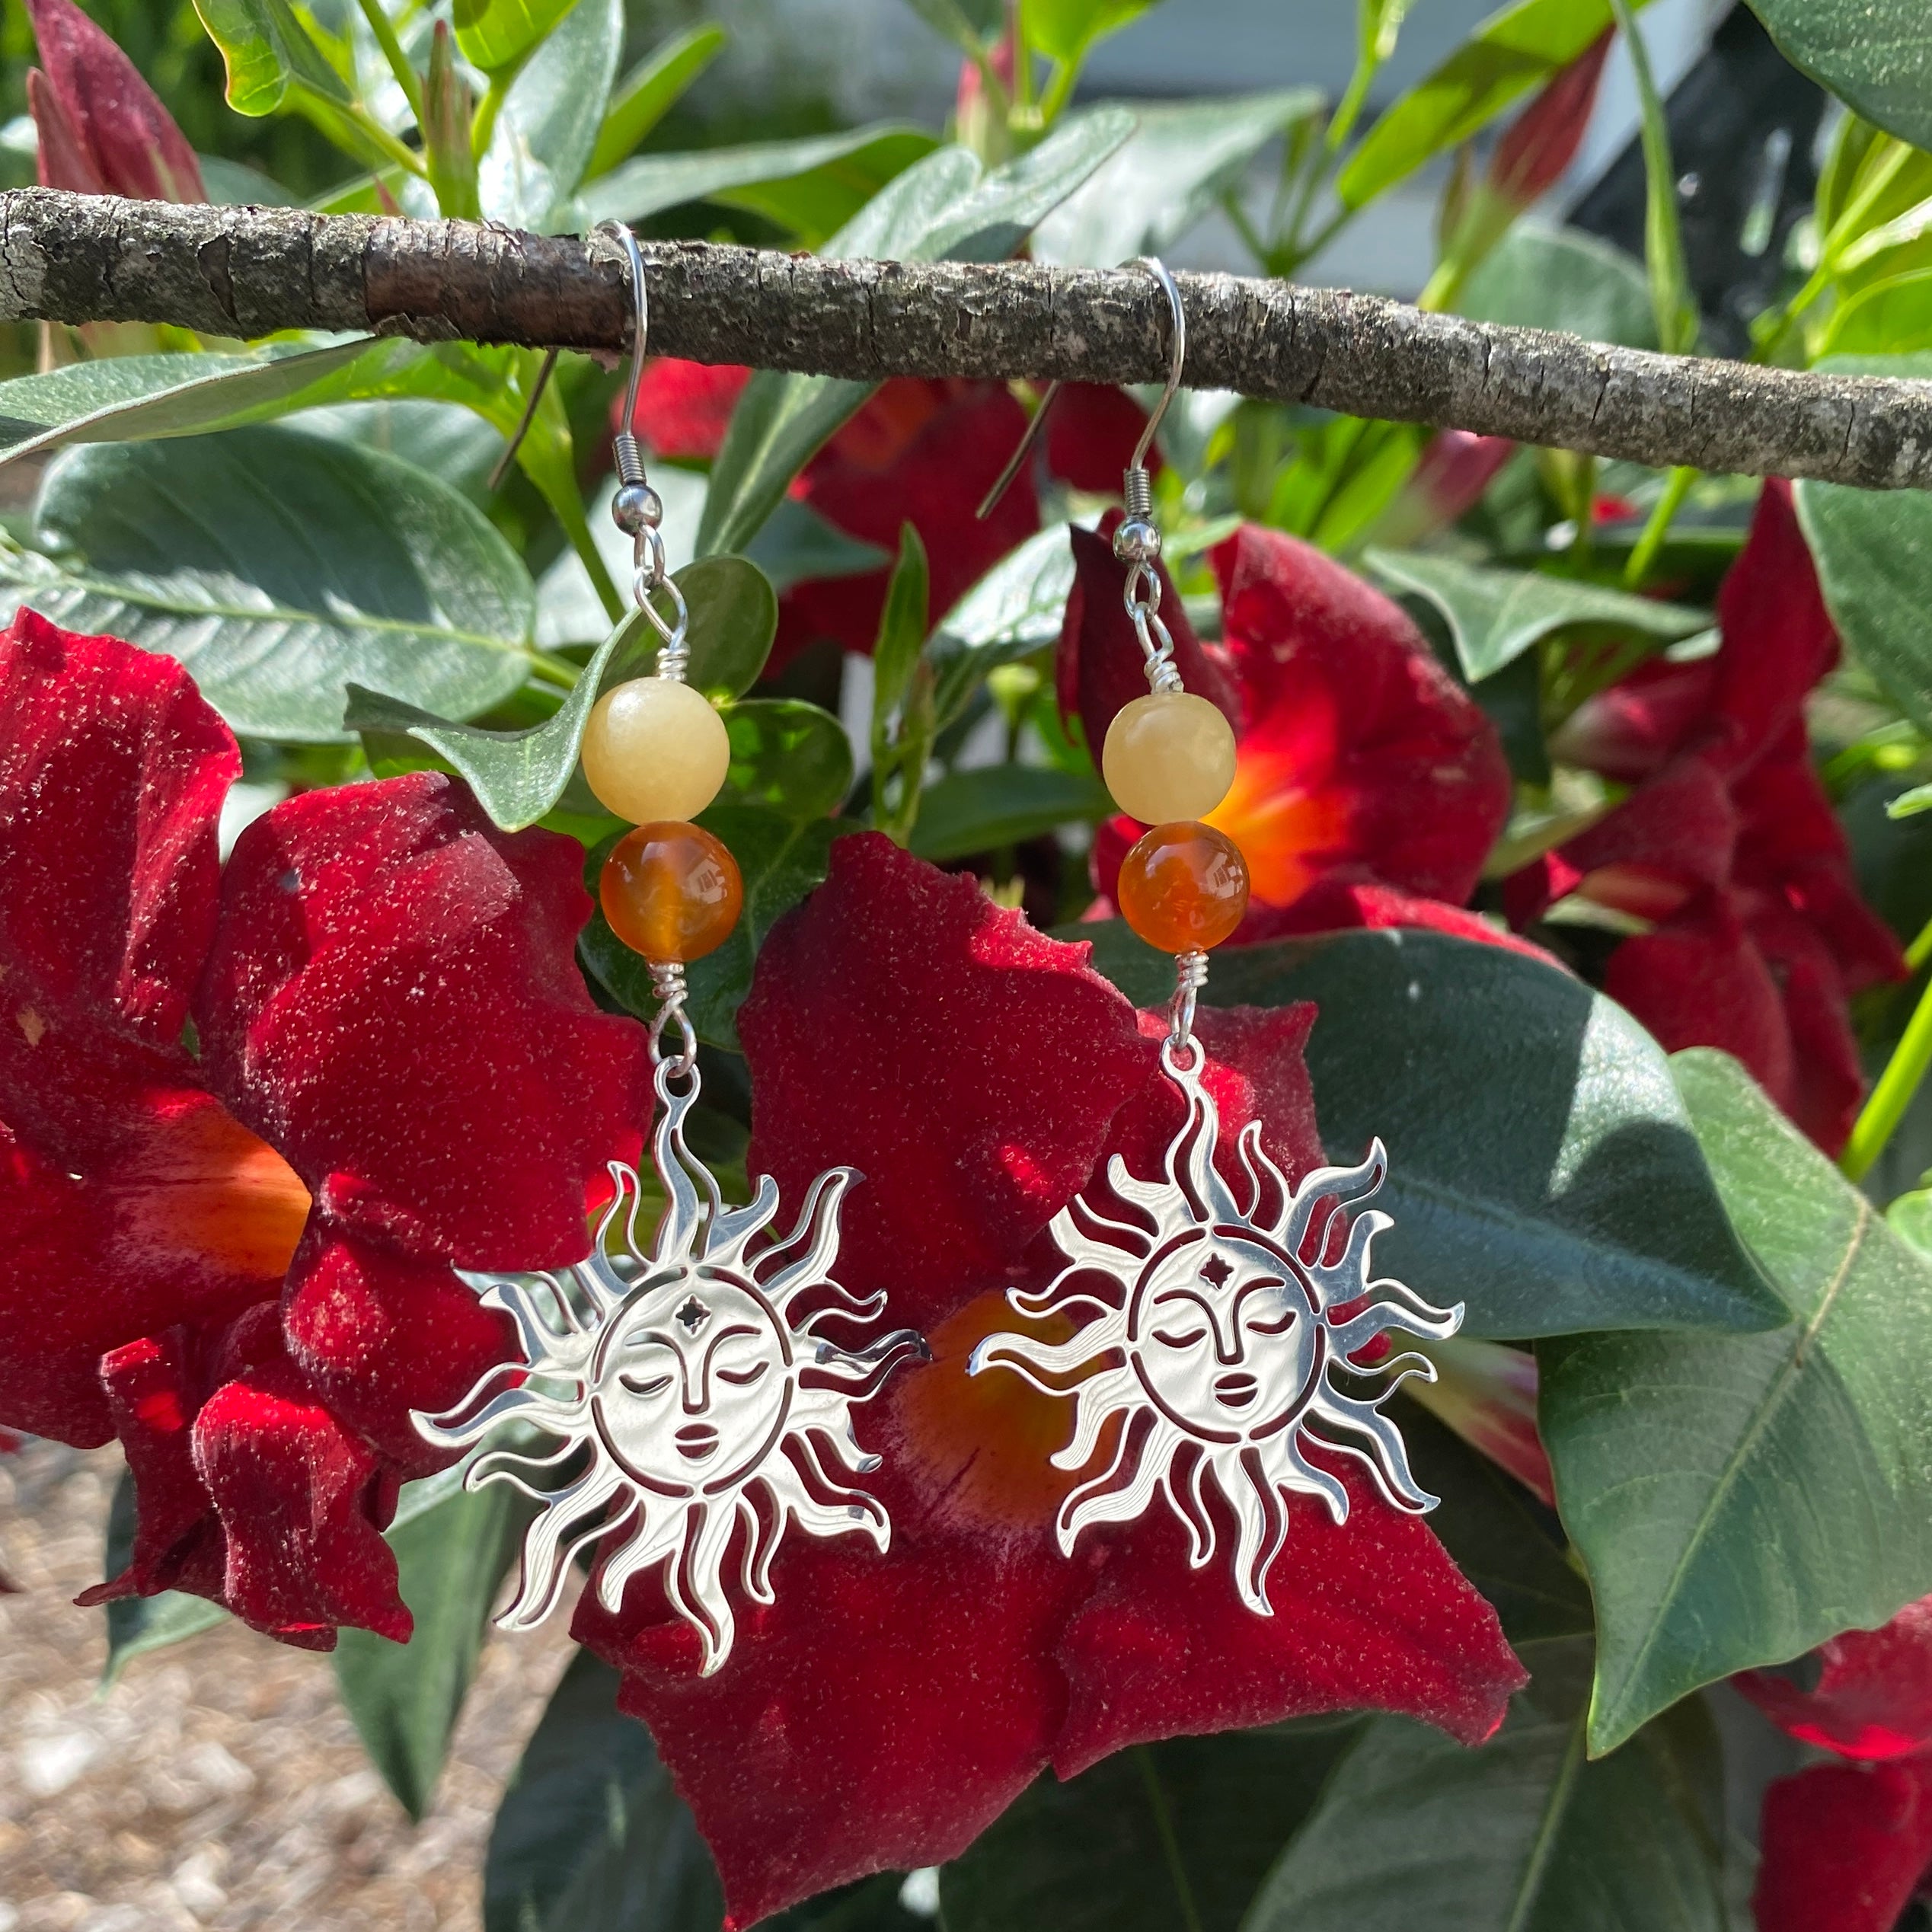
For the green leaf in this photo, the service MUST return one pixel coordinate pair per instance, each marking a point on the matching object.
(1876, 56)
(818, 183)
(404, 1700)
(1152, 1839)
(1890, 317)
(781, 859)
(547, 129)
(279, 568)
(1494, 616)
(1542, 1168)
(1563, 279)
(1524, 1835)
(495, 34)
(1672, 301)
(949, 21)
(519, 776)
(1514, 50)
(1014, 610)
(267, 50)
(1065, 29)
(1167, 177)
(941, 207)
(991, 805)
(796, 544)
(592, 1834)
(136, 1625)
(790, 755)
(1908, 804)
(902, 622)
(1909, 1217)
(1738, 1501)
(650, 90)
(1873, 549)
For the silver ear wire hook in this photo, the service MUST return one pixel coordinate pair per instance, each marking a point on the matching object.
(1138, 497)
(638, 509)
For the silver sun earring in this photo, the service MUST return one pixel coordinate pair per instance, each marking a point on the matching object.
(691, 1404)
(1215, 1319)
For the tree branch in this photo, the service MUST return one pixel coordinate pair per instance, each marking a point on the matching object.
(248, 271)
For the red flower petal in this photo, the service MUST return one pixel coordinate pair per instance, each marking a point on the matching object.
(130, 139)
(1098, 664)
(393, 1001)
(378, 1335)
(899, 994)
(1844, 1846)
(1873, 1696)
(1630, 731)
(684, 408)
(1361, 750)
(1340, 905)
(1091, 437)
(1539, 145)
(918, 452)
(62, 160)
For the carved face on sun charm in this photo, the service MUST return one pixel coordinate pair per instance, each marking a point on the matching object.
(691, 1384)
(1215, 1350)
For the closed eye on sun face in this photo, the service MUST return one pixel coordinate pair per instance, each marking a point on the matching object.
(655, 1385)
(743, 1377)
(1274, 1325)
(1186, 1338)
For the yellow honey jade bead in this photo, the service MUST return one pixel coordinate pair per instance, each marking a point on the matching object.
(654, 750)
(1168, 756)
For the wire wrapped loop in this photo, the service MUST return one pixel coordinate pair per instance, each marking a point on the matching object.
(668, 983)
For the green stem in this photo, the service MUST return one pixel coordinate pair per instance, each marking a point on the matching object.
(1163, 1825)
(1065, 73)
(559, 670)
(1662, 515)
(407, 77)
(1314, 172)
(353, 128)
(1905, 1070)
(488, 108)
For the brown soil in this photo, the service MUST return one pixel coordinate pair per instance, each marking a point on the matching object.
(217, 1784)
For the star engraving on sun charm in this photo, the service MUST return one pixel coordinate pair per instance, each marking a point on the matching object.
(1212, 1357)
(689, 1391)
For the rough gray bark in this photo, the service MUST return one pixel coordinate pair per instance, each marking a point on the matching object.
(246, 271)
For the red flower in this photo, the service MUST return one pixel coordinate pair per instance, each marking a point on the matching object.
(102, 130)
(1845, 1846)
(885, 1708)
(1369, 788)
(921, 452)
(1728, 845)
(249, 1120)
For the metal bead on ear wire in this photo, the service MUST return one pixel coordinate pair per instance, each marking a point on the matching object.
(692, 1399)
(1218, 1319)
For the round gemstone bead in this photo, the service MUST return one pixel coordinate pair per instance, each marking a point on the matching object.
(654, 749)
(671, 891)
(1168, 756)
(1183, 888)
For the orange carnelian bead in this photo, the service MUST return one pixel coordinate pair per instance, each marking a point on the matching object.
(671, 891)
(1184, 887)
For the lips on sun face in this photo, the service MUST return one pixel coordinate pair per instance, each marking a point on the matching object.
(694, 1385)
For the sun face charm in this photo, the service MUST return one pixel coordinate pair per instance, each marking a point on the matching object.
(692, 1387)
(1215, 1349)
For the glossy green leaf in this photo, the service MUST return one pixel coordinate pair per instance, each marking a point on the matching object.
(1167, 177)
(279, 568)
(1494, 616)
(404, 1700)
(1522, 1835)
(781, 859)
(1065, 29)
(790, 755)
(1873, 550)
(796, 544)
(591, 1837)
(1909, 1217)
(1738, 1501)
(1562, 278)
(1908, 804)
(266, 50)
(902, 621)
(991, 805)
(1014, 611)
(1514, 50)
(834, 173)
(519, 776)
(1894, 316)
(1543, 1169)
(1154, 1838)
(547, 129)
(650, 90)
(136, 1625)
(1876, 56)
(496, 34)
(941, 207)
